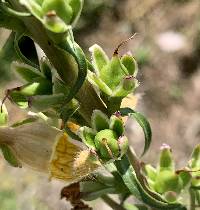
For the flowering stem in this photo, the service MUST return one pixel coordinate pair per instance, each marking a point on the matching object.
(110, 202)
(64, 65)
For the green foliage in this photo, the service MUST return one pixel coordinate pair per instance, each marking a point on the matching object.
(64, 86)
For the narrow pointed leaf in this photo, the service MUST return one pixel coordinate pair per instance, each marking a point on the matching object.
(143, 122)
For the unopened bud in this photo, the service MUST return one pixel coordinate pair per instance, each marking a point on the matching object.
(166, 160)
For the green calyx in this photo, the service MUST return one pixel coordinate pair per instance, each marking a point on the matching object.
(164, 179)
(61, 7)
(122, 71)
(106, 137)
(56, 15)
(106, 144)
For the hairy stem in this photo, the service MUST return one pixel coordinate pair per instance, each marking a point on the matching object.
(64, 64)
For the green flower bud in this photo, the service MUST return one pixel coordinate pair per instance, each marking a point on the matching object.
(67, 10)
(150, 172)
(166, 160)
(171, 196)
(61, 7)
(121, 70)
(56, 25)
(127, 85)
(117, 125)
(106, 137)
(106, 144)
(168, 181)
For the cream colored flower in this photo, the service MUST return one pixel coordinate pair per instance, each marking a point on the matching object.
(47, 149)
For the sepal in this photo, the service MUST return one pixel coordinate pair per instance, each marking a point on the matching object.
(99, 58)
(99, 120)
(87, 135)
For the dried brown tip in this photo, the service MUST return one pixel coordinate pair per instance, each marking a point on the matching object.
(116, 52)
(73, 195)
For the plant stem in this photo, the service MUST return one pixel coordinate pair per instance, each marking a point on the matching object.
(64, 64)
(192, 199)
(110, 202)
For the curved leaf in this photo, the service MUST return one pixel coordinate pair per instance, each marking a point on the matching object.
(143, 122)
(135, 183)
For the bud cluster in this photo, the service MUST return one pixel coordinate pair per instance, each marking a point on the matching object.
(106, 137)
(168, 182)
(114, 78)
(56, 15)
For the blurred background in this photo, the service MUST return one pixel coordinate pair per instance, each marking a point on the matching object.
(167, 48)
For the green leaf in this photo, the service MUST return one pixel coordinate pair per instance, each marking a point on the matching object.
(99, 120)
(9, 22)
(46, 68)
(114, 70)
(19, 99)
(74, 49)
(33, 7)
(9, 156)
(26, 72)
(135, 182)
(143, 122)
(91, 190)
(7, 55)
(77, 6)
(44, 102)
(96, 81)
(87, 135)
(40, 87)
(99, 58)
(130, 63)
(117, 125)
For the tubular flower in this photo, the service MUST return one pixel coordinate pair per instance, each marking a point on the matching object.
(47, 149)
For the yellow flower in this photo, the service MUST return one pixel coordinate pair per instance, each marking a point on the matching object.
(47, 149)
